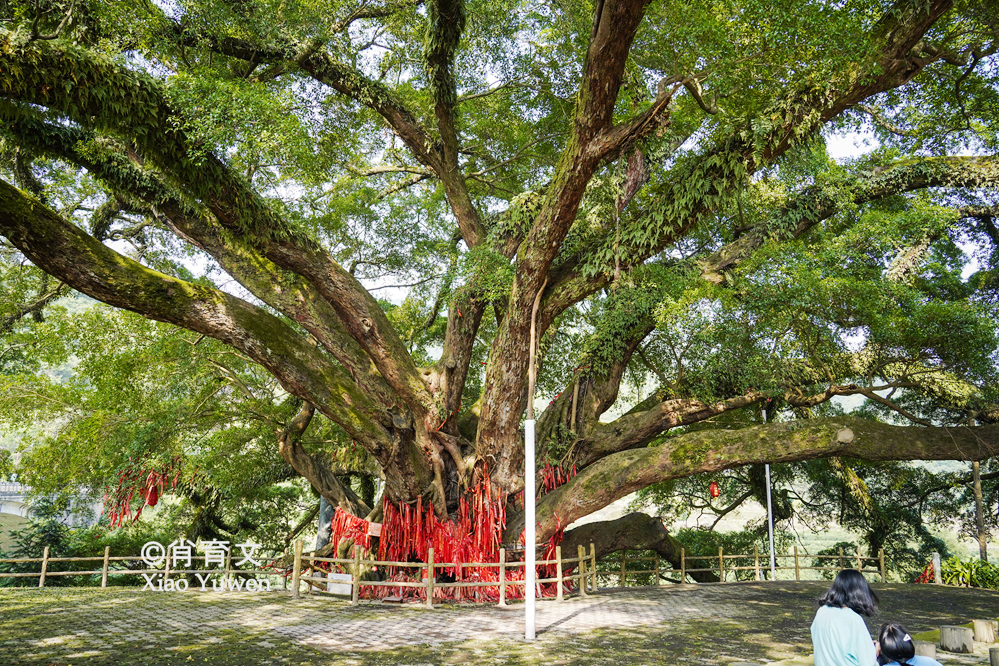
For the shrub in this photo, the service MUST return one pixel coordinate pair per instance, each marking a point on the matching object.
(45, 529)
(972, 572)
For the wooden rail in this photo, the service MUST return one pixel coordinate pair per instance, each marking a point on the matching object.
(585, 577)
(106, 570)
(720, 566)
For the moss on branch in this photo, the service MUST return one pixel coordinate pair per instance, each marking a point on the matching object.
(620, 474)
(81, 261)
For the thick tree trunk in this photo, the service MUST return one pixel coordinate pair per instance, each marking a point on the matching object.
(324, 523)
(374, 390)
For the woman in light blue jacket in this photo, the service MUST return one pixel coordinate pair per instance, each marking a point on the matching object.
(839, 634)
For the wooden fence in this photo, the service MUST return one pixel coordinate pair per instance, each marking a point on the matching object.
(723, 565)
(585, 577)
(228, 572)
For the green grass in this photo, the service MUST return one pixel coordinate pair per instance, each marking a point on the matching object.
(934, 636)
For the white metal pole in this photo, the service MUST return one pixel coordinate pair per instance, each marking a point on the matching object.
(529, 531)
(770, 520)
(770, 517)
(530, 524)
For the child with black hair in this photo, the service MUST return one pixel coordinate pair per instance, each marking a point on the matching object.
(839, 634)
(897, 648)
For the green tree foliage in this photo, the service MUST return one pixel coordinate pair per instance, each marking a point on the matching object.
(350, 219)
(138, 391)
(6, 465)
(46, 528)
(43, 530)
(890, 506)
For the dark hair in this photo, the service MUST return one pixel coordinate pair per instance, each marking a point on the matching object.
(896, 644)
(850, 590)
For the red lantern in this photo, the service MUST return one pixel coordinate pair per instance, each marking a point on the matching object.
(715, 490)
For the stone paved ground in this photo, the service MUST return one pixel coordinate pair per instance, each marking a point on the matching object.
(689, 624)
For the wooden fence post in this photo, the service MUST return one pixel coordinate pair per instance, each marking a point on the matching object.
(45, 566)
(296, 569)
(104, 569)
(881, 565)
(228, 566)
(657, 569)
(683, 565)
(797, 568)
(593, 567)
(842, 562)
(756, 557)
(355, 588)
(860, 560)
(430, 578)
(721, 565)
(502, 576)
(624, 567)
(582, 569)
(558, 572)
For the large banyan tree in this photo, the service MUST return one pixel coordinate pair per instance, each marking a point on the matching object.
(641, 189)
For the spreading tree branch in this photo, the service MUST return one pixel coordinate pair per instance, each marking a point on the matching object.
(313, 469)
(46, 71)
(59, 248)
(614, 26)
(820, 202)
(620, 474)
(286, 292)
(34, 308)
(753, 145)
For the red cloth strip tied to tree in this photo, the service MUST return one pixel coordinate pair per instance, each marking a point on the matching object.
(139, 479)
(347, 526)
(926, 576)
(553, 476)
(472, 538)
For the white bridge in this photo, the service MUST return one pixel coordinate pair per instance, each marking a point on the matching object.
(13, 499)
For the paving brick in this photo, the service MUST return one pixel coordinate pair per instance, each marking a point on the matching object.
(88, 626)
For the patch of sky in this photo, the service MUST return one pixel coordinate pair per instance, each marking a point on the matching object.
(843, 146)
(170, 8)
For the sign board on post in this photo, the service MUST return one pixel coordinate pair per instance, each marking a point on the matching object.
(339, 583)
